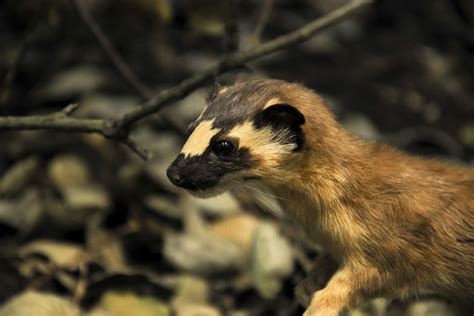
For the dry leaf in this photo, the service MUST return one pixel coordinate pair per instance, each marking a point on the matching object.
(238, 228)
(18, 176)
(126, 304)
(39, 304)
(63, 254)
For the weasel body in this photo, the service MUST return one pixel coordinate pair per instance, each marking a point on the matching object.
(397, 225)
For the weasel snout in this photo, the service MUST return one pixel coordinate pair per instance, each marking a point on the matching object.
(190, 175)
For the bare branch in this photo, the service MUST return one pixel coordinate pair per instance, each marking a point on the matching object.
(118, 61)
(231, 37)
(267, 6)
(56, 122)
(71, 108)
(124, 69)
(119, 128)
(11, 75)
(235, 60)
(143, 153)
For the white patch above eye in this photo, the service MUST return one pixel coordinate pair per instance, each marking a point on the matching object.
(262, 142)
(199, 140)
(271, 102)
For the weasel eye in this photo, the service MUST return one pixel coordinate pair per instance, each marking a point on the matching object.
(222, 147)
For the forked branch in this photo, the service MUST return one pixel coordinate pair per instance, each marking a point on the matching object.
(119, 128)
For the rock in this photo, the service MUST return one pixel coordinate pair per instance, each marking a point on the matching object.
(437, 64)
(68, 170)
(79, 205)
(196, 310)
(194, 223)
(126, 303)
(86, 197)
(73, 81)
(63, 254)
(207, 17)
(239, 228)
(430, 308)
(23, 213)
(99, 311)
(272, 260)
(18, 176)
(373, 307)
(222, 205)
(162, 9)
(39, 304)
(466, 133)
(105, 247)
(202, 253)
(191, 289)
(361, 125)
(240, 313)
(163, 206)
(432, 113)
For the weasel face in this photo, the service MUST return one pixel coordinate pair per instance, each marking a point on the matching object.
(245, 132)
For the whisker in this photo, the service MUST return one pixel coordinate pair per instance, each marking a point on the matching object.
(259, 191)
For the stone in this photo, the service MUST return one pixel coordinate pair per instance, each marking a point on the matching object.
(271, 261)
(202, 253)
(239, 228)
(18, 176)
(39, 304)
(68, 170)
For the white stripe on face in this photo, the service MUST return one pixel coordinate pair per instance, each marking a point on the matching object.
(271, 102)
(261, 142)
(199, 140)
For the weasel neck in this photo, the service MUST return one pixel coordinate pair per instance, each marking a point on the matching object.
(317, 195)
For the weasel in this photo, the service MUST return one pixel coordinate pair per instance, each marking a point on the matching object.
(395, 224)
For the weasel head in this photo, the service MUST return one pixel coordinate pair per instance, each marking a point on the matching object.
(247, 131)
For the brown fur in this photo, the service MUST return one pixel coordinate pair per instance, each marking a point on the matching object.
(396, 225)
(392, 221)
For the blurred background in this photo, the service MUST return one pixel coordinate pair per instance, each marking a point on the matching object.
(88, 227)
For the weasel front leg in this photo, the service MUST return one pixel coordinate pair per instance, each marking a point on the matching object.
(321, 272)
(348, 288)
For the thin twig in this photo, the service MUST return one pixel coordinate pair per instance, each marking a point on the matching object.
(124, 69)
(265, 13)
(137, 149)
(13, 72)
(119, 128)
(71, 108)
(231, 36)
(239, 58)
(58, 122)
(81, 285)
(143, 91)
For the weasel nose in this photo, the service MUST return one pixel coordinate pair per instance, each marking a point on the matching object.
(174, 177)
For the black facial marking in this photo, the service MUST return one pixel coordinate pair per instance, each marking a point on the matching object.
(205, 171)
(283, 116)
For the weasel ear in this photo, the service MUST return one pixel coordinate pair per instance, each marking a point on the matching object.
(280, 116)
(283, 116)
